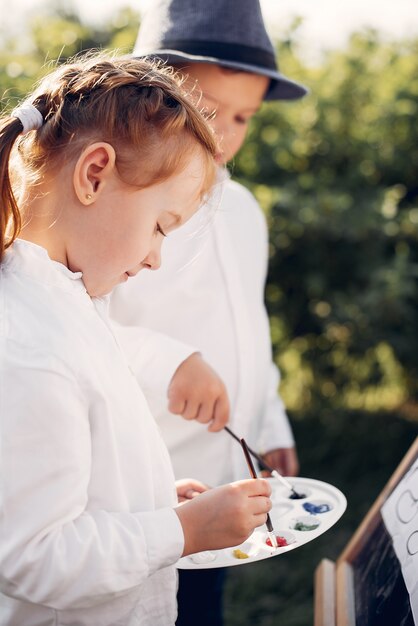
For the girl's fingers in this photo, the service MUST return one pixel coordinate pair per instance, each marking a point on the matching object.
(260, 520)
(258, 487)
(260, 506)
(192, 494)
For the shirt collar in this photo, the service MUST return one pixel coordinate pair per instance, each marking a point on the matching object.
(33, 260)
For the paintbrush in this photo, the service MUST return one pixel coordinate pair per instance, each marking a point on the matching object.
(266, 466)
(254, 475)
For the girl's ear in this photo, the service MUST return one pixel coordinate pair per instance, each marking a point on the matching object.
(94, 167)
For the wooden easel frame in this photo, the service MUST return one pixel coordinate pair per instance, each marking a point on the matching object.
(325, 593)
(334, 582)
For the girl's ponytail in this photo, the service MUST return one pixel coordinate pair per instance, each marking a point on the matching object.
(22, 120)
(10, 220)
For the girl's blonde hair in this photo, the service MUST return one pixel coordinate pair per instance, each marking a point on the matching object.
(135, 105)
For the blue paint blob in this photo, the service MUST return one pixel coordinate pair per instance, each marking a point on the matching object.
(316, 508)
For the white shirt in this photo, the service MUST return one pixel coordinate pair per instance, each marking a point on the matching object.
(88, 534)
(209, 292)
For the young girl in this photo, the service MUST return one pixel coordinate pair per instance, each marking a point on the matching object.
(110, 157)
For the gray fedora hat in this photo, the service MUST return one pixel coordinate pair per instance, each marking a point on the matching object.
(230, 33)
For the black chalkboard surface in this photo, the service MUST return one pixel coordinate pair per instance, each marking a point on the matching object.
(365, 587)
(381, 598)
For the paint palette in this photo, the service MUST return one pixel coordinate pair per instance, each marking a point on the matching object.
(295, 522)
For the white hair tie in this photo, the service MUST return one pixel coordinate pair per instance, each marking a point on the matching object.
(30, 117)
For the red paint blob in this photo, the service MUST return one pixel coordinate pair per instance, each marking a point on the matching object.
(281, 542)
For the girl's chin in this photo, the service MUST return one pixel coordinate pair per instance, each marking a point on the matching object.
(98, 291)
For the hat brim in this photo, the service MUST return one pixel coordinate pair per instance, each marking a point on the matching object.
(280, 88)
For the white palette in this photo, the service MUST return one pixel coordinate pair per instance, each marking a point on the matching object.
(287, 517)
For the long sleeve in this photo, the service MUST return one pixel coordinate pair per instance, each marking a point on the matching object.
(56, 548)
(275, 430)
(153, 356)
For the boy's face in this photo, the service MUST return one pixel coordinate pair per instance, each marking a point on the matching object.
(233, 97)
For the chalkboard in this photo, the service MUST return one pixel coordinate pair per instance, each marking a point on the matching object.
(381, 597)
(365, 587)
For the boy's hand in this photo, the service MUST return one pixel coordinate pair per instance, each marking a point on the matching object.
(224, 516)
(284, 460)
(197, 393)
(188, 488)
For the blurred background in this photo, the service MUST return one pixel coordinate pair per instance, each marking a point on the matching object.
(337, 176)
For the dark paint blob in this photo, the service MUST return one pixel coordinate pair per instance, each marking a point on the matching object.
(297, 496)
(316, 508)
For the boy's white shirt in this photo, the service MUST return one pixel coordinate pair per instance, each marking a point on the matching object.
(209, 292)
(88, 534)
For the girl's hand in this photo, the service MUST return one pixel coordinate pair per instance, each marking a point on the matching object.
(197, 393)
(224, 516)
(188, 488)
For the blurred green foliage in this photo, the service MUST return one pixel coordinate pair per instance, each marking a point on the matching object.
(53, 35)
(337, 174)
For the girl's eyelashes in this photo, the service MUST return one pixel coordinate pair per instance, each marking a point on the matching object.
(158, 229)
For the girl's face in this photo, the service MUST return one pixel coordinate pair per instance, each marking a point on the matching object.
(122, 232)
(232, 97)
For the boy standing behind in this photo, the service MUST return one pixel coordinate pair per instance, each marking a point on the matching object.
(210, 290)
